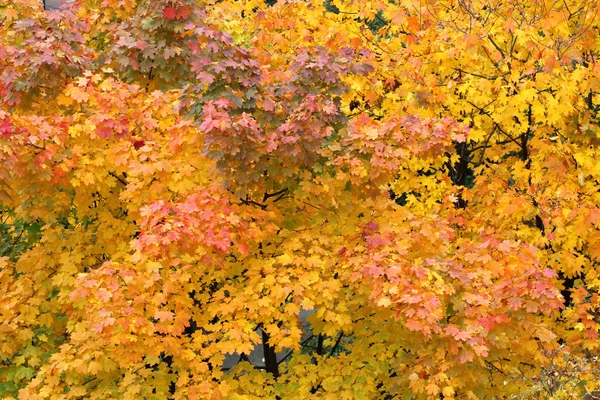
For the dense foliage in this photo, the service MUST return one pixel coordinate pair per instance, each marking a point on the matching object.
(182, 181)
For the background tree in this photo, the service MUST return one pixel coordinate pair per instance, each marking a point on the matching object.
(180, 179)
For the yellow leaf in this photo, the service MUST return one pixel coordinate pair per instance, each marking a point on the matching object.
(384, 302)
(285, 259)
(64, 100)
(106, 85)
(448, 391)
(10, 14)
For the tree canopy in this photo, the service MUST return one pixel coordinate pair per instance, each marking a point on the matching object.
(182, 180)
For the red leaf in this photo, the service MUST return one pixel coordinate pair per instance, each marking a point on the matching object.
(6, 128)
(104, 132)
(183, 12)
(138, 144)
(169, 13)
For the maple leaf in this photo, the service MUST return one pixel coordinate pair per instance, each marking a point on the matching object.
(79, 95)
(138, 144)
(163, 316)
(10, 14)
(169, 13)
(183, 12)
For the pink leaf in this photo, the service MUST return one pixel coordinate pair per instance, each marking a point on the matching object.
(163, 316)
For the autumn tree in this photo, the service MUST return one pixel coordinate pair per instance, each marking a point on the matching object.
(181, 180)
